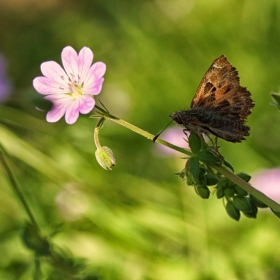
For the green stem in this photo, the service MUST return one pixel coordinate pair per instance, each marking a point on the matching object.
(16, 188)
(96, 132)
(247, 187)
(141, 131)
(231, 176)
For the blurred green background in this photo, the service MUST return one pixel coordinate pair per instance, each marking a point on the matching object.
(138, 221)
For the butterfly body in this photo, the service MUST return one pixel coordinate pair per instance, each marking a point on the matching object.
(220, 105)
(201, 121)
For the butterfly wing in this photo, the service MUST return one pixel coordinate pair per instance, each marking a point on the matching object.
(220, 92)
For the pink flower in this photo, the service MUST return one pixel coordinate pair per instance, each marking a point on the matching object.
(268, 182)
(175, 136)
(71, 90)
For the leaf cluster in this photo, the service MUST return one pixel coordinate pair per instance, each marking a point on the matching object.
(199, 173)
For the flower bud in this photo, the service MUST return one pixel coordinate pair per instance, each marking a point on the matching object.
(202, 191)
(232, 211)
(242, 203)
(105, 157)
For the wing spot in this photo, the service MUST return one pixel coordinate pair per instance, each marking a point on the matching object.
(213, 90)
(208, 87)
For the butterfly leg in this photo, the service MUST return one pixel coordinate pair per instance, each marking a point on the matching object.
(186, 132)
(214, 147)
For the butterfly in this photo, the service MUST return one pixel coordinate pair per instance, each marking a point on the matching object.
(220, 105)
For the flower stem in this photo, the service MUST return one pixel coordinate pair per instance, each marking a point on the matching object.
(140, 131)
(231, 176)
(96, 132)
(247, 187)
(16, 188)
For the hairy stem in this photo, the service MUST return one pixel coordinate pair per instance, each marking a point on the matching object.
(96, 132)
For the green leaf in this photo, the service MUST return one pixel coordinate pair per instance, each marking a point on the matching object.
(242, 203)
(229, 191)
(253, 213)
(239, 191)
(193, 167)
(223, 183)
(245, 177)
(275, 213)
(181, 174)
(257, 202)
(194, 142)
(190, 181)
(211, 179)
(202, 191)
(226, 163)
(220, 193)
(232, 211)
(207, 157)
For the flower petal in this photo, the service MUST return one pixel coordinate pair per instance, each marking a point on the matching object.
(59, 98)
(95, 87)
(87, 103)
(47, 86)
(93, 82)
(85, 58)
(60, 104)
(70, 63)
(72, 112)
(55, 72)
(56, 113)
(97, 70)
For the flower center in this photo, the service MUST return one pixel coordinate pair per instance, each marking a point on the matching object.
(75, 90)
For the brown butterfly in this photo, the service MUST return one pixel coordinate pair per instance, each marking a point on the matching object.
(220, 105)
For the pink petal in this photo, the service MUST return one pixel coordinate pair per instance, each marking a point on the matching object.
(56, 113)
(70, 63)
(72, 112)
(54, 71)
(85, 58)
(97, 70)
(60, 104)
(95, 87)
(82, 105)
(47, 86)
(87, 103)
(59, 99)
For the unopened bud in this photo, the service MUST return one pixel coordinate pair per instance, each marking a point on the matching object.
(105, 157)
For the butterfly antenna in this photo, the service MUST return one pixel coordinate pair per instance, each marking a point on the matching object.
(156, 137)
